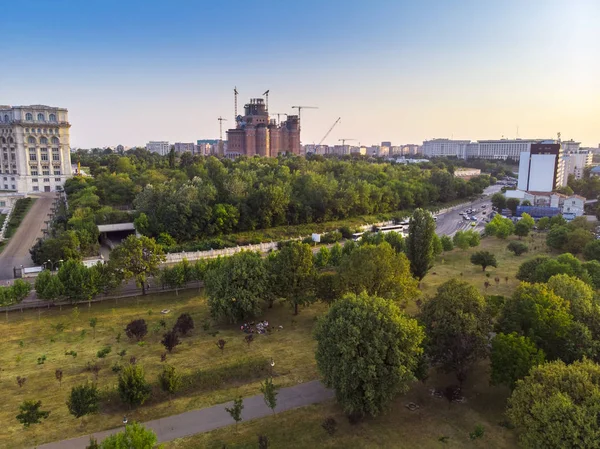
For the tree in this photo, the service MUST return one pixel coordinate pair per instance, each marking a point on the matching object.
(437, 245)
(512, 203)
(591, 251)
(462, 240)
(517, 248)
(269, 391)
(447, 244)
(236, 287)
(174, 277)
(135, 436)
(294, 274)
(137, 329)
(93, 323)
(499, 201)
(169, 380)
(367, 351)
(543, 223)
(512, 358)
(379, 271)
(170, 340)
(323, 257)
(580, 297)
(457, 326)
(577, 240)
(133, 388)
(335, 255)
(184, 324)
(527, 220)
(557, 406)
(76, 281)
(485, 259)
(84, 400)
(19, 290)
(47, 286)
(500, 227)
(557, 237)
(30, 413)
(521, 229)
(138, 258)
(236, 410)
(419, 243)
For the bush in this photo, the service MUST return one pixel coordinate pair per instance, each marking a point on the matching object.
(447, 244)
(517, 248)
(346, 232)
(136, 329)
(103, 352)
(133, 388)
(331, 237)
(170, 340)
(184, 324)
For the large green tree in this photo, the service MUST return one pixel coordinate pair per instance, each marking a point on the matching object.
(367, 351)
(294, 274)
(237, 287)
(419, 243)
(457, 325)
(379, 271)
(484, 259)
(83, 400)
(135, 436)
(132, 385)
(500, 227)
(512, 358)
(557, 406)
(30, 413)
(137, 258)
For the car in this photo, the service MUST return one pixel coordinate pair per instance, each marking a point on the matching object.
(473, 223)
(473, 218)
(483, 212)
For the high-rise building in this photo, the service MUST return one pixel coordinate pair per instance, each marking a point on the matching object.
(257, 134)
(184, 147)
(576, 161)
(542, 168)
(36, 154)
(445, 148)
(161, 147)
(500, 148)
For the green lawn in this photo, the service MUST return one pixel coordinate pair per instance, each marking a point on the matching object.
(26, 337)
(21, 208)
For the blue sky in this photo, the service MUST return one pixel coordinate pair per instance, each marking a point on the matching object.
(133, 71)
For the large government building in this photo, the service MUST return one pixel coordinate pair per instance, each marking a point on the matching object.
(35, 150)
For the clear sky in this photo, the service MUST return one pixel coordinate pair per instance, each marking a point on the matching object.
(130, 71)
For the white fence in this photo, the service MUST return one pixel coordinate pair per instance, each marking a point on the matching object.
(5, 224)
(196, 255)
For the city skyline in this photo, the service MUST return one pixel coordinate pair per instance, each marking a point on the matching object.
(394, 71)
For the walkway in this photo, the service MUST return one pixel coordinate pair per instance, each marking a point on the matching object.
(16, 252)
(206, 419)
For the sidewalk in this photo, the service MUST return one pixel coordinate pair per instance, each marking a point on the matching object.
(206, 419)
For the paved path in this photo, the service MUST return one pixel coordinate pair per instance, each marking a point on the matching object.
(203, 420)
(16, 252)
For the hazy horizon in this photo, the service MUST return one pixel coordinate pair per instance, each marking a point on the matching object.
(393, 70)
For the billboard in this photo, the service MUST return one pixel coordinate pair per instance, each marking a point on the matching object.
(542, 170)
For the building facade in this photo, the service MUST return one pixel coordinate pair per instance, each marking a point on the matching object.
(257, 134)
(445, 148)
(575, 161)
(161, 147)
(542, 168)
(184, 147)
(35, 148)
(500, 149)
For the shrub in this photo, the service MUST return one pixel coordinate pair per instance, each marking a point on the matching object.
(184, 324)
(103, 352)
(133, 388)
(517, 248)
(136, 329)
(170, 340)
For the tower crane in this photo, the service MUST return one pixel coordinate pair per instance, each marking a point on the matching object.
(221, 120)
(235, 94)
(266, 94)
(300, 111)
(278, 114)
(330, 129)
(344, 142)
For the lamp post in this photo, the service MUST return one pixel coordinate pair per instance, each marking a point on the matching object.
(47, 262)
(56, 264)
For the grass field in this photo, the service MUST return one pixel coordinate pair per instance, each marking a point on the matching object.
(20, 210)
(397, 428)
(27, 337)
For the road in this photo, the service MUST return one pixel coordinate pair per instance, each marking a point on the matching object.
(206, 419)
(16, 252)
(450, 222)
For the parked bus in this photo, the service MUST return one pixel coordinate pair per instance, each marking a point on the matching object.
(399, 228)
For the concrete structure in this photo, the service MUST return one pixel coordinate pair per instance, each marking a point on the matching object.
(410, 150)
(575, 161)
(445, 148)
(257, 134)
(500, 148)
(571, 145)
(180, 147)
(161, 147)
(542, 168)
(467, 173)
(35, 148)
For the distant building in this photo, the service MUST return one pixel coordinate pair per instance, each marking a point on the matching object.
(542, 168)
(180, 147)
(595, 171)
(411, 149)
(575, 161)
(467, 173)
(256, 134)
(570, 145)
(445, 148)
(500, 148)
(161, 147)
(35, 154)
(386, 144)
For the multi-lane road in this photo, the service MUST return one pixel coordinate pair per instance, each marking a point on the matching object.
(451, 221)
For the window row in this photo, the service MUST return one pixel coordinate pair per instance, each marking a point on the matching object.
(40, 117)
(42, 131)
(4, 140)
(43, 157)
(43, 140)
(12, 187)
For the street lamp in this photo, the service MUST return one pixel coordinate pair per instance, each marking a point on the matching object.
(49, 262)
(56, 263)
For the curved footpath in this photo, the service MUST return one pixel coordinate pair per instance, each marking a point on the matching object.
(210, 418)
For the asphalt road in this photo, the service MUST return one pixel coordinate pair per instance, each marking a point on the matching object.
(16, 252)
(450, 222)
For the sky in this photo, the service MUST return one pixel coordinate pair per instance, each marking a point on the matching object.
(132, 71)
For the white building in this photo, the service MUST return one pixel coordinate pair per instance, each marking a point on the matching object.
(445, 148)
(35, 148)
(161, 147)
(575, 162)
(180, 147)
(541, 169)
(500, 149)
(571, 145)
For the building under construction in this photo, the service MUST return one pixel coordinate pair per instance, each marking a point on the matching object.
(257, 134)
